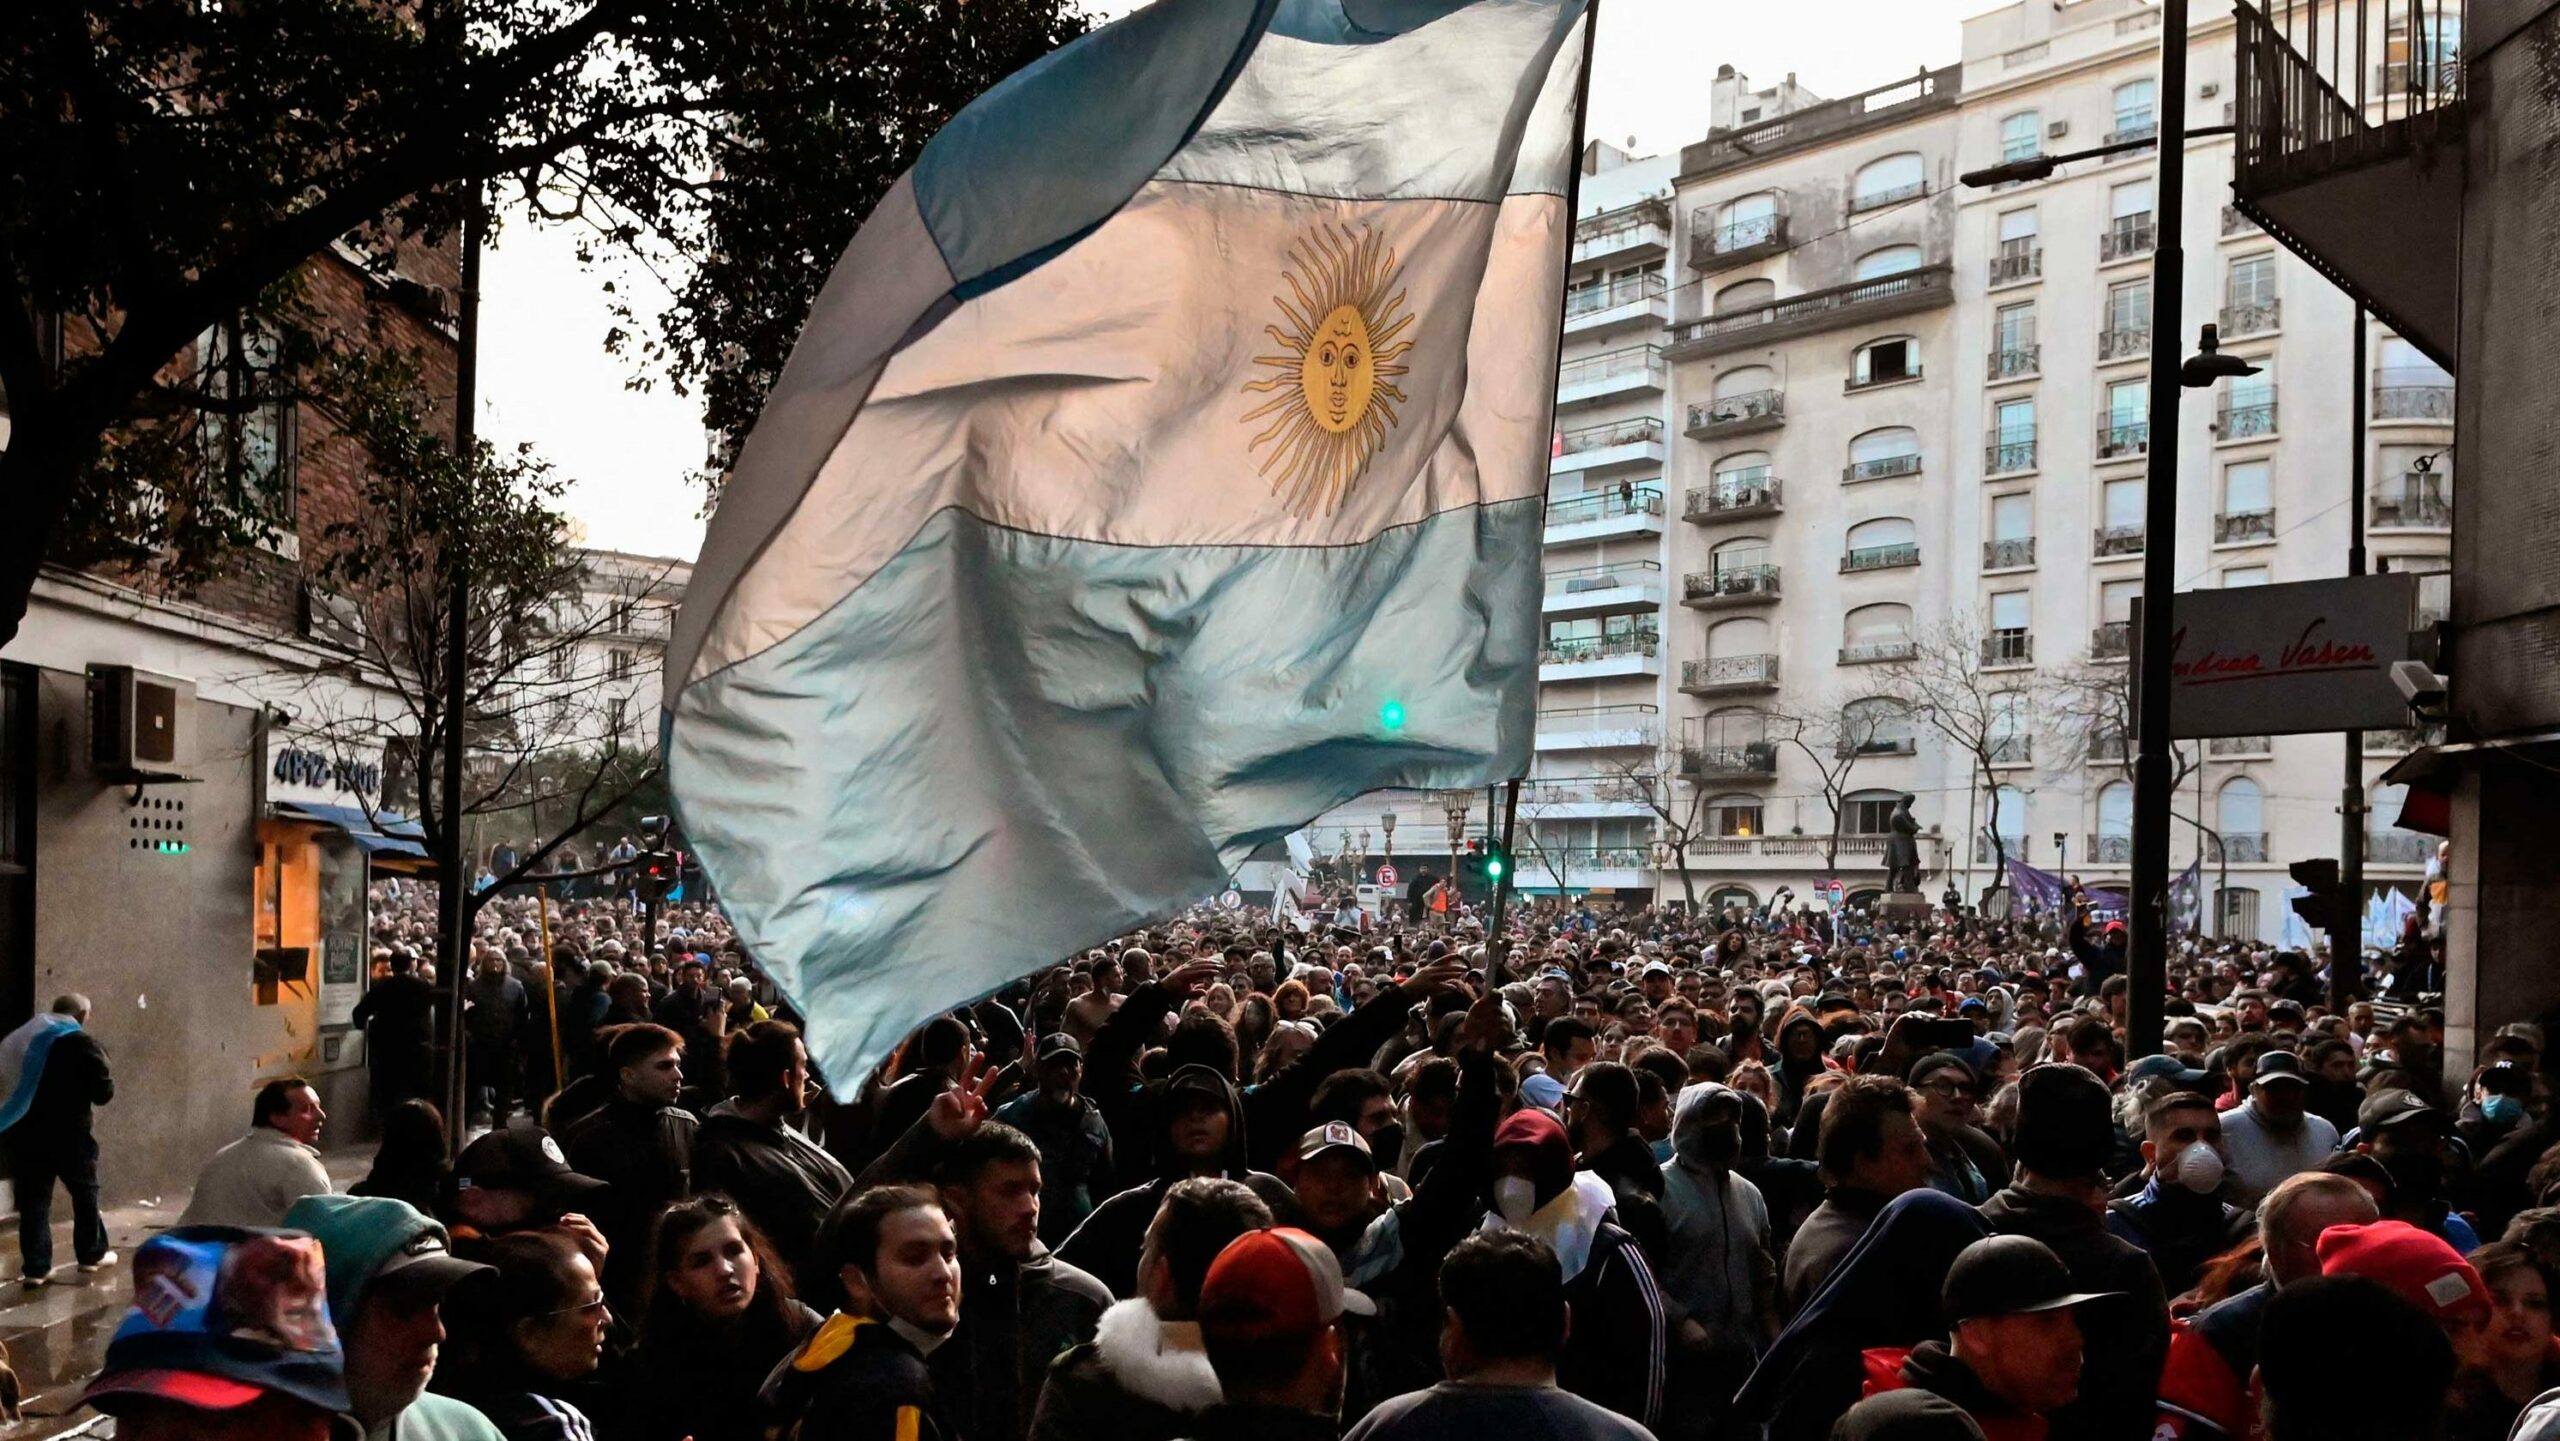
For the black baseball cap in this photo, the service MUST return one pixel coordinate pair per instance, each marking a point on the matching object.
(2009, 1276)
(1059, 1043)
(2282, 1066)
(521, 1156)
(2394, 1107)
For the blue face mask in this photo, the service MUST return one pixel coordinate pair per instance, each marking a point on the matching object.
(2502, 1110)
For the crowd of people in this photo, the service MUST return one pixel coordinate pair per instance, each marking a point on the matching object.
(1777, 1173)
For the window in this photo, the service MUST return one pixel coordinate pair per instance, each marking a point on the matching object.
(1874, 725)
(2128, 402)
(2254, 392)
(2009, 817)
(2013, 517)
(2018, 229)
(1868, 813)
(1881, 543)
(2252, 282)
(1890, 261)
(2129, 201)
(1879, 361)
(1745, 295)
(1882, 182)
(1750, 210)
(558, 667)
(2133, 110)
(1742, 553)
(1744, 637)
(2246, 489)
(1749, 467)
(1875, 631)
(2115, 814)
(2239, 810)
(2406, 364)
(616, 712)
(2116, 598)
(2009, 610)
(1892, 450)
(1745, 380)
(2238, 915)
(2123, 505)
(2240, 577)
(2129, 309)
(2021, 136)
(2013, 328)
(249, 453)
(2016, 419)
(618, 664)
(1734, 816)
(2009, 730)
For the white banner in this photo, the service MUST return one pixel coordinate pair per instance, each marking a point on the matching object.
(2305, 657)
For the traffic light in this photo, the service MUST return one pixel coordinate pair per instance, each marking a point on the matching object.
(2325, 907)
(656, 866)
(1496, 864)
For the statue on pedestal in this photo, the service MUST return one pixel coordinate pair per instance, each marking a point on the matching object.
(1902, 851)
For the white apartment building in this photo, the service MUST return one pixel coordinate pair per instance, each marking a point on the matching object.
(630, 601)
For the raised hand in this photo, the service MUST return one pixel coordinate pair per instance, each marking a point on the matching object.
(958, 1112)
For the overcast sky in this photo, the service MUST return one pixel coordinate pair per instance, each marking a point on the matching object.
(547, 379)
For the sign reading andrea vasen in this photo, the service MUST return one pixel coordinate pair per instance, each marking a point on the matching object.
(2304, 657)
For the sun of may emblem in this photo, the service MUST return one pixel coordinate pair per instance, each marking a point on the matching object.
(1336, 383)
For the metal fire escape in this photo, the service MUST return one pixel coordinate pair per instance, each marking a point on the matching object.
(2349, 118)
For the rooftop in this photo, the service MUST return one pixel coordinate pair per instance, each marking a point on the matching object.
(1925, 93)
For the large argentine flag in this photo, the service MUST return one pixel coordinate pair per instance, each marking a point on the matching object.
(1163, 464)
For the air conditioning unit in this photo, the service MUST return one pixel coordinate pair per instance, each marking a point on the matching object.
(141, 726)
(2208, 90)
(2057, 129)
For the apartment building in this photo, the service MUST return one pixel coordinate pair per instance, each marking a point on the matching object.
(617, 665)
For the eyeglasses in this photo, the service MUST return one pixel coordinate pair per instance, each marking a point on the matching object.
(1949, 1090)
(583, 1309)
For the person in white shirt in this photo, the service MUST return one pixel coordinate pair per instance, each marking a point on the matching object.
(2272, 1135)
(256, 1179)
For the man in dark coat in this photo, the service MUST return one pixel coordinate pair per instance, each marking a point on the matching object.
(498, 1015)
(748, 1150)
(397, 1016)
(53, 1141)
(641, 1144)
(1203, 1135)
(862, 1375)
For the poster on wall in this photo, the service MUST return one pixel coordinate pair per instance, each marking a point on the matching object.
(341, 979)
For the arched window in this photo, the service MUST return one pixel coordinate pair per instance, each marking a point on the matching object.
(1734, 727)
(1883, 264)
(2009, 820)
(1884, 182)
(2115, 823)
(1890, 450)
(1734, 815)
(1742, 636)
(1746, 221)
(1723, 896)
(1868, 813)
(1745, 295)
(1745, 380)
(1882, 543)
(2009, 734)
(1895, 357)
(2134, 117)
(2239, 812)
(1743, 467)
(1743, 553)
(1876, 632)
(1878, 726)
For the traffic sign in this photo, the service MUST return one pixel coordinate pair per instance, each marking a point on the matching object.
(1386, 875)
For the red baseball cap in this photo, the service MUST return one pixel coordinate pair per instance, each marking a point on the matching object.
(1274, 1284)
(2420, 1266)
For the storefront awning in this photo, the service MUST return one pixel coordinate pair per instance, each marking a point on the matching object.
(382, 834)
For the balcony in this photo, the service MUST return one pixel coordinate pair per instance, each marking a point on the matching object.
(1579, 865)
(2010, 450)
(2124, 343)
(1620, 510)
(1600, 727)
(2015, 553)
(1879, 557)
(1627, 233)
(1879, 652)
(1854, 384)
(1883, 467)
(1578, 797)
(2109, 540)
(2015, 267)
(1634, 370)
(1860, 203)
(2005, 648)
(1612, 445)
(2132, 127)
(1860, 302)
(2398, 848)
(2226, 748)
(2414, 394)
(1753, 410)
(1714, 247)
(2245, 848)
(2418, 502)
(1600, 657)
(2012, 847)
(1729, 675)
(1628, 300)
(1739, 495)
(1896, 103)
(1603, 589)
(2235, 222)
(2124, 439)
(2244, 527)
(2253, 421)
(2013, 750)
(2261, 319)
(2017, 362)
(1903, 743)
(2108, 850)
(1730, 585)
(2128, 238)
(2111, 640)
(1720, 758)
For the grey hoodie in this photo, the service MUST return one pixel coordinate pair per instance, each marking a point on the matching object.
(1719, 1272)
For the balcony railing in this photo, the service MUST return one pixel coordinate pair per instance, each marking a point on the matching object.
(1573, 719)
(1584, 579)
(1894, 103)
(1893, 195)
(2132, 126)
(1731, 584)
(2234, 526)
(2235, 222)
(2238, 747)
(1879, 557)
(1605, 505)
(1735, 495)
(2413, 393)
(2011, 449)
(1737, 414)
(2009, 647)
(2126, 238)
(2240, 320)
(1723, 760)
(1582, 648)
(2244, 422)
(1625, 290)
(2013, 847)
(2015, 553)
(1881, 468)
(2116, 540)
(1729, 673)
(1611, 434)
(2244, 848)
(2417, 503)
(1550, 861)
(1859, 300)
(1856, 383)
(2016, 267)
(2123, 439)
(1644, 360)
(2105, 850)
(2111, 640)
(1713, 246)
(2398, 848)
(1879, 651)
(2013, 750)
(2124, 343)
(1612, 225)
(1582, 790)
(2015, 361)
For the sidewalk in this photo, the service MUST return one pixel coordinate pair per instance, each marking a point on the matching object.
(57, 1337)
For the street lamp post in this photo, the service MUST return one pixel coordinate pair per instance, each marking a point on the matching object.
(1455, 805)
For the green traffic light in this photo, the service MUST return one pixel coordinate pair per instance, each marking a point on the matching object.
(1391, 715)
(1493, 867)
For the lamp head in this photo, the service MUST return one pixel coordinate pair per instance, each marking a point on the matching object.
(2200, 370)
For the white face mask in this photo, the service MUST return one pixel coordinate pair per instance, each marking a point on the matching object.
(2199, 1169)
(1515, 1199)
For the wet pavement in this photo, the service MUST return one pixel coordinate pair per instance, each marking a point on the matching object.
(57, 1336)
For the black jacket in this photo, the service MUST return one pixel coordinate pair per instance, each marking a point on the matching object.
(1827, 1235)
(1261, 1423)
(75, 1080)
(701, 1383)
(646, 1154)
(1929, 1371)
(853, 1379)
(2120, 1380)
(783, 1180)
(1614, 1354)
(1635, 1178)
(1126, 1384)
(2180, 1230)
(1106, 1245)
